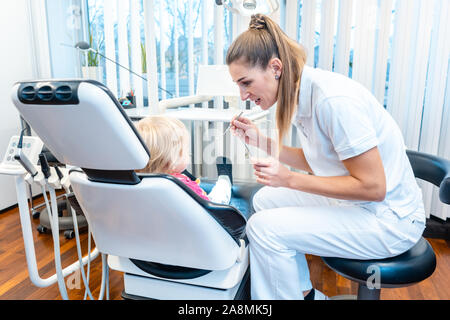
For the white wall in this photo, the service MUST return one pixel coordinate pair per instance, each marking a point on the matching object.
(16, 63)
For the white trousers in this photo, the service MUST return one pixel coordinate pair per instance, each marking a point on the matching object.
(289, 224)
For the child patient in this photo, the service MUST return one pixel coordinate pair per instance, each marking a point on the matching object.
(169, 143)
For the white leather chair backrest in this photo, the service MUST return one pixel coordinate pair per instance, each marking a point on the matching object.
(154, 221)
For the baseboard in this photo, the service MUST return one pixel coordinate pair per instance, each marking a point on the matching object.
(437, 228)
(35, 197)
(14, 206)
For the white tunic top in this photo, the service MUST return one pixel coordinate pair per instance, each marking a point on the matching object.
(337, 119)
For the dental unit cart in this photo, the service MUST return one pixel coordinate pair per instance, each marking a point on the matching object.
(20, 161)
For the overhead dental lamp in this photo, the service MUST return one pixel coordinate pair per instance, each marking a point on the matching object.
(249, 7)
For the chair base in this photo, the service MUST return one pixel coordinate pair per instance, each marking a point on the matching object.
(364, 293)
(229, 284)
(344, 297)
(142, 288)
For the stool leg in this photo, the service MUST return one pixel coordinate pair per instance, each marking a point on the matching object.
(364, 293)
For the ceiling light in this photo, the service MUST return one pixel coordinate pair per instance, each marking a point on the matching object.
(249, 7)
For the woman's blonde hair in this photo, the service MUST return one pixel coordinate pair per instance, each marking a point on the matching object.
(166, 138)
(263, 41)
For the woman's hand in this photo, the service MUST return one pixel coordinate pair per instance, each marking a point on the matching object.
(246, 130)
(271, 172)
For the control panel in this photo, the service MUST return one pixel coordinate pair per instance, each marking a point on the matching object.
(31, 147)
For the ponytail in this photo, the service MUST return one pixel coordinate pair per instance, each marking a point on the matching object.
(263, 41)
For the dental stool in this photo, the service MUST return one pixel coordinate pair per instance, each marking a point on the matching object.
(169, 242)
(412, 266)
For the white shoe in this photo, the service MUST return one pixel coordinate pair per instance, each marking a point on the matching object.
(318, 295)
(221, 192)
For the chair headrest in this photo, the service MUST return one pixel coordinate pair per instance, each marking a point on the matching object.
(215, 80)
(81, 123)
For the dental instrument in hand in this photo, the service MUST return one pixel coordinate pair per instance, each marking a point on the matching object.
(240, 114)
(248, 153)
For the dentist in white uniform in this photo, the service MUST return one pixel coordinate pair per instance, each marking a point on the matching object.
(356, 197)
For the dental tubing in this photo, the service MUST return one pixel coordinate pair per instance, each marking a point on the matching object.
(52, 178)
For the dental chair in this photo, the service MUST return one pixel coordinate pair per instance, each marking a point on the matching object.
(169, 242)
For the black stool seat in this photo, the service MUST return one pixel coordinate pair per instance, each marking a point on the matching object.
(412, 266)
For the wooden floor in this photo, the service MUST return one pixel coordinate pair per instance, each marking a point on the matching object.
(15, 283)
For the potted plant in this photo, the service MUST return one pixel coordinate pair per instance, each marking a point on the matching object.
(144, 73)
(92, 70)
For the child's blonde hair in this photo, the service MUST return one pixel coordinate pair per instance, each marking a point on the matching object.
(166, 138)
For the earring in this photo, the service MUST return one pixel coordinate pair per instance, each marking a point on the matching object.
(277, 77)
